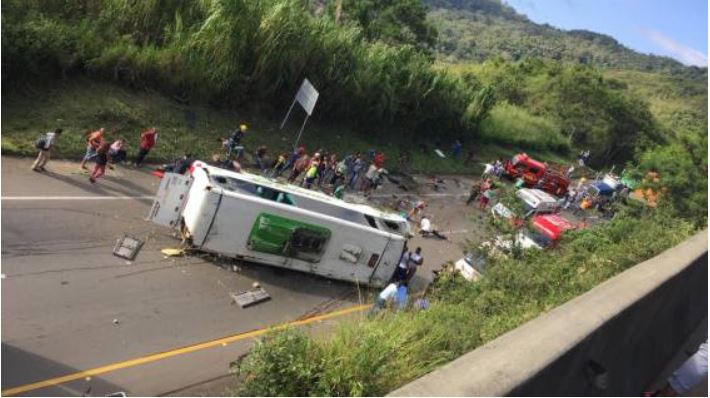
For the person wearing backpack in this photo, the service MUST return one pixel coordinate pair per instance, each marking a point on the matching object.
(45, 143)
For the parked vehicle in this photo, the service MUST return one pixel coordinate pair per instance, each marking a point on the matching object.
(253, 218)
(600, 188)
(471, 266)
(545, 232)
(552, 227)
(536, 174)
(534, 201)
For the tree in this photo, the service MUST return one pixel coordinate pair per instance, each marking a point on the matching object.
(392, 21)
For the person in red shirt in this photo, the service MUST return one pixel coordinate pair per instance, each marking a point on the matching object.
(147, 142)
(93, 142)
(379, 160)
(101, 160)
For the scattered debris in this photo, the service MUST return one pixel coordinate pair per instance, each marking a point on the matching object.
(173, 252)
(127, 247)
(117, 394)
(246, 299)
(115, 321)
(255, 285)
(439, 153)
(236, 268)
(128, 263)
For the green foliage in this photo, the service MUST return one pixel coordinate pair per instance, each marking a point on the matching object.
(475, 31)
(510, 124)
(371, 357)
(479, 107)
(246, 52)
(584, 108)
(284, 363)
(392, 21)
(683, 175)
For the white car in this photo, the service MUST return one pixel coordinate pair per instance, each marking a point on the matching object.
(471, 266)
(535, 201)
(503, 245)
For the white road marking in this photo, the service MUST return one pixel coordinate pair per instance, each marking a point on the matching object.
(20, 198)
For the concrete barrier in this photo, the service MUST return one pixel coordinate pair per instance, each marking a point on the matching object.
(613, 340)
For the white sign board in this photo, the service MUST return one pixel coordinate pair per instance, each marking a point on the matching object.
(307, 96)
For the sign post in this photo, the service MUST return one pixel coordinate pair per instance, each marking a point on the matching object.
(307, 96)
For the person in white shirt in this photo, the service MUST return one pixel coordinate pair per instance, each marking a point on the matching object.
(45, 144)
(402, 270)
(413, 262)
(426, 229)
(384, 297)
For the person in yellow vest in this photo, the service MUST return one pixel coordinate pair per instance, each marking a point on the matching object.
(311, 174)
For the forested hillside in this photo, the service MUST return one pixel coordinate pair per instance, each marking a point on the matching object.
(476, 30)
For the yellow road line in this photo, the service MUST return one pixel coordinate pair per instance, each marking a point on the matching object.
(178, 351)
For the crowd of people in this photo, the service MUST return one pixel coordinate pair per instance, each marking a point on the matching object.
(322, 169)
(99, 149)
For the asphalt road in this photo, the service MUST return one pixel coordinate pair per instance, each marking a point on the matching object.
(62, 288)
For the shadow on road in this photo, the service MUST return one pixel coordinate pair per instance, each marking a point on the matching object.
(104, 189)
(20, 367)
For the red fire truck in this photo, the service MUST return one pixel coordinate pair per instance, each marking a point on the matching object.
(536, 174)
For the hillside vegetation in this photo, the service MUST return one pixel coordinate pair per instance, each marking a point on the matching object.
(477, 30)
(369, 60)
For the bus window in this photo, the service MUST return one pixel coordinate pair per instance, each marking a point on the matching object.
(371, 221)
(391, 225)
(275, 195)
(285, 198)
(307, 244)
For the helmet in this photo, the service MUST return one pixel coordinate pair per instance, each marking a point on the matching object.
(243, 127)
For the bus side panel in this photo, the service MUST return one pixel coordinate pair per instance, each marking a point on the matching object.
(351, 252)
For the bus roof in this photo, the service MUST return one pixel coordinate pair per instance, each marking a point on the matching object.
(302, 192)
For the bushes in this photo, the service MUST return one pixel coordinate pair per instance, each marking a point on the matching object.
(509, 124)
(374, 356)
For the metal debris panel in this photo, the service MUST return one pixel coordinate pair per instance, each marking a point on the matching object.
(127, 247)
(246, 299)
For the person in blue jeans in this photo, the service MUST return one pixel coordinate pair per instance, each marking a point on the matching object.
(358, 166)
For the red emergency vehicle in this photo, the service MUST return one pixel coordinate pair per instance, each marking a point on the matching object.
(536, 174)
(552, 226)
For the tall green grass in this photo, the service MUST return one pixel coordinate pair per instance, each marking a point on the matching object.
(234, 53)
(510, 124)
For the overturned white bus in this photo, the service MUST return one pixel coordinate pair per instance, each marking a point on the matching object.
(257, 219)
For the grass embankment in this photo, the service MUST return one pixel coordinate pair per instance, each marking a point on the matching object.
(81, 105)
(371, 357)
